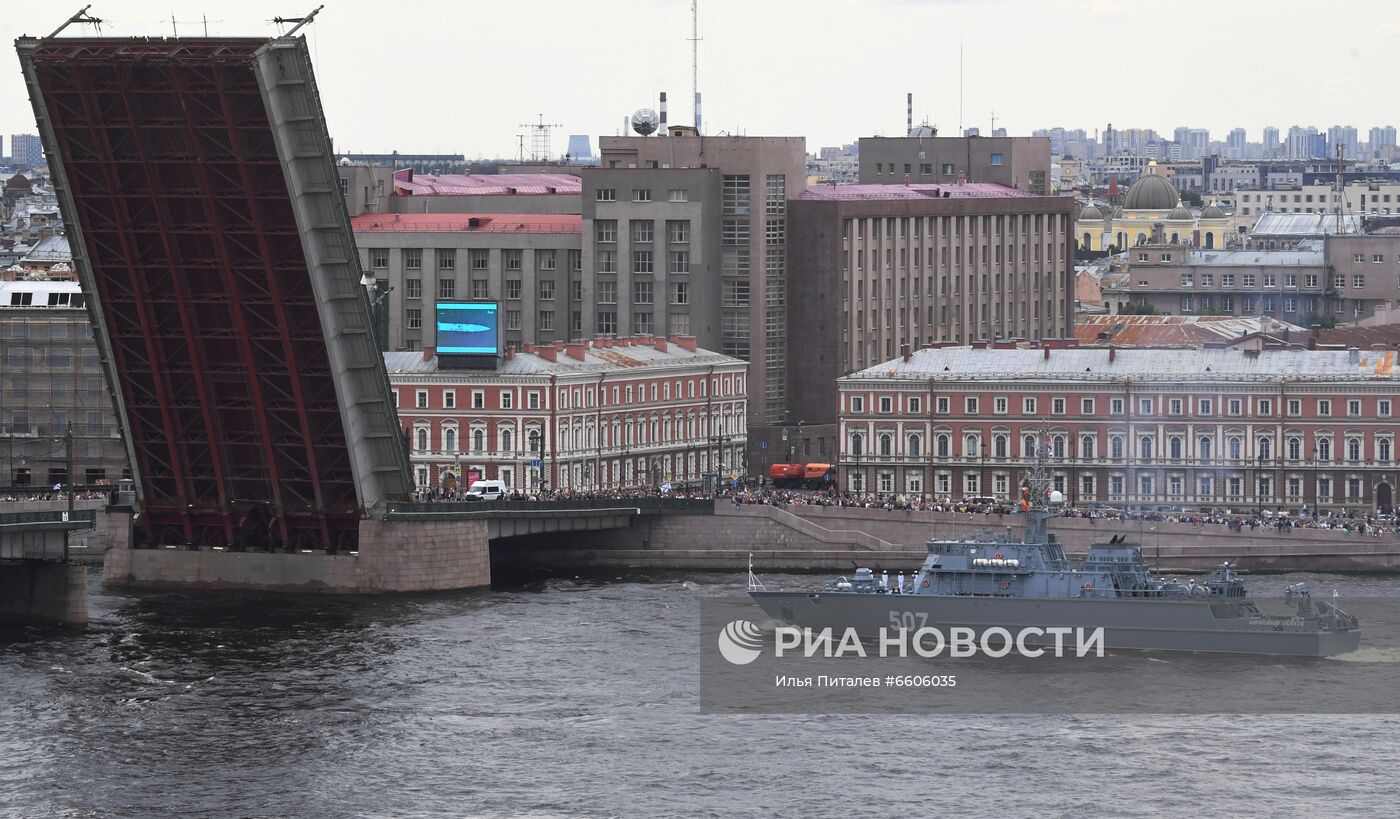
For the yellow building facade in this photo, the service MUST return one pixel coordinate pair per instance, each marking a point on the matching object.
(1150, 201)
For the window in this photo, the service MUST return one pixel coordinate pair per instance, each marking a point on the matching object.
(379, 258)
(544, 259)
(1324, 407)
(478, 399)
(971, 405)
(546, 320)
(1145, 448)
(1057, 406)
(680, 292)
(413, 288)
(512, 289)
(413, 317)
(1115, 446)
(605, 231)
(1145, 406)
(915, 406)
(1383, 408)
(1115, 406)
(857, 403)
(420, 400)
(997, 159)
(605, 195)
(1265, 406)
(512, 259)
(512, 319)
(480, 289)
(1236, 406)
(1028, 406)
(678, 195)
(641, 194)
(999, 405)
(447, 288)
(1324, 449)
(642, 292)
(413, 259)
(643, 231)
(1174, 406)
(1353, 407)
(942, 405)
(447, 259)
(607, 321)
(642, 261)
(886, 404)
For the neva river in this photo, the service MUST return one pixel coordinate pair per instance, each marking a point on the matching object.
(579, 698)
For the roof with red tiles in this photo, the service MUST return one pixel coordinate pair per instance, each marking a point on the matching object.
(407, 183)
(966, 190)
(467, 223)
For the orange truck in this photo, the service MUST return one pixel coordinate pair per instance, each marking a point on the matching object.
(802, 476)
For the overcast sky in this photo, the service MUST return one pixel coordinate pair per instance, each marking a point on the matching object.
(462, 76)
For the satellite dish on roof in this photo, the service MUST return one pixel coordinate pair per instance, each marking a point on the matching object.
(645, 121)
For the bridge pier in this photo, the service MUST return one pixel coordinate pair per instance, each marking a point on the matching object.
(394, 556)
(43, 593)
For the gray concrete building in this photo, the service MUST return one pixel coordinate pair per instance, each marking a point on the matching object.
(1339, 278)
(757, 177)
(883, 266)
(49, 378)
(1016, 162)
(531, 263)
(651, 253)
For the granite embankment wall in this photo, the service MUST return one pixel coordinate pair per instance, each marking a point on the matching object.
(43, 593)
(820, 538)
(394, 556)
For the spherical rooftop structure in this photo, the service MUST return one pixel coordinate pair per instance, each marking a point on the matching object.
(1090, 213)
(1212, 211)
(1152, 192)
(1180, 213)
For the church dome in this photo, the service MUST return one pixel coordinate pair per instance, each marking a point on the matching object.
(1152, 192)
(1090, 213)
(1180, 213)
(1212, 211)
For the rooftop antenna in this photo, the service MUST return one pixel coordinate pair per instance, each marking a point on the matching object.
(300, 21)
(994, 124)
(1341, 190)
(82, 17)
(539, 138)
(961, 132)
(695, 59)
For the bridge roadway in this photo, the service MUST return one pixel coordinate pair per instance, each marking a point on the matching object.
(506, 519)
(37, 583)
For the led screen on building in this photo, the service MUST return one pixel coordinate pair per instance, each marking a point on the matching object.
(468, 328)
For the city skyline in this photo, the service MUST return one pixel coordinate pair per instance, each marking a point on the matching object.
(387, 91)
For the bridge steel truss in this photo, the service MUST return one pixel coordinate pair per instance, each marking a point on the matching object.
(208, 230)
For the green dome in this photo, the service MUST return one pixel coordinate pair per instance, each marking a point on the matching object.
(1180, 213)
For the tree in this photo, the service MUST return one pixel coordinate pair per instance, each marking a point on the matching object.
(1138, 308)
(1191, 198)
(1323, 320)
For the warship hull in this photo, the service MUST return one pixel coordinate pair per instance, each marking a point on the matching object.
(1129, 623)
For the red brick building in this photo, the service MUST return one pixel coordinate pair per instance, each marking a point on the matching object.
(1256, 425)
(600, 414)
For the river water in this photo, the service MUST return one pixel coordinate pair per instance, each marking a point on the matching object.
(577, 697)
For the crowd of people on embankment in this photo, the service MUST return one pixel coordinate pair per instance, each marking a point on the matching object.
(11, 496)
(1352, 522)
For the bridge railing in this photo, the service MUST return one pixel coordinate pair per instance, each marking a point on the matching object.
(644, 506)
(49, 519)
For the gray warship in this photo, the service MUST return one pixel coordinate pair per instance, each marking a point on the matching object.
(991, 580)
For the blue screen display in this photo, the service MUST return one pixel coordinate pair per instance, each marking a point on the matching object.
(468, 328)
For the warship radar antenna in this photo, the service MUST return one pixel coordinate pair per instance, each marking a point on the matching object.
(1039, 500)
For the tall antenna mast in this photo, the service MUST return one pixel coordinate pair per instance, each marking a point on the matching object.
(961, 132)
(695, 59)
(540, 149)
(994, 124)
(1341, 190)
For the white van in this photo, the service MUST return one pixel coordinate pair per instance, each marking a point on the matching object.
(487, 490)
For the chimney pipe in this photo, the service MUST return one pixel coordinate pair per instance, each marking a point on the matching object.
(428, 353)
(1112, 353)
(904, 351)
(663, 112)
(1045, 349)
(909, 114)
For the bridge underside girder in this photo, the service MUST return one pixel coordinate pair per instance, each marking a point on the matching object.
(197, 273)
